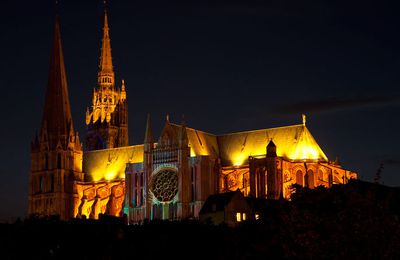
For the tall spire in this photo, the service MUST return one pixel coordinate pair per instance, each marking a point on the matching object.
(57, 117)
(106, 72)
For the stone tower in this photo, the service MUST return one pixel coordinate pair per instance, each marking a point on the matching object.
(56, 154)
(107, 118)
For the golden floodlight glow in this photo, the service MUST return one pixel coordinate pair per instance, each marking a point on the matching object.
(110, 164)
(306, 148)
(239, 159)
(305, 152)
(192, 152)
(292, 143)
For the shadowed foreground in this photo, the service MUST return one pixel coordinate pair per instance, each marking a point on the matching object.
(355, 220)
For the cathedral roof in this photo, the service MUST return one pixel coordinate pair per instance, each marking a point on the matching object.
(110, 164)
(57, 117)
(292, 142)
(201, 143)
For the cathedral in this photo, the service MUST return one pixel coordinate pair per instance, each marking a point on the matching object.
(167, 178)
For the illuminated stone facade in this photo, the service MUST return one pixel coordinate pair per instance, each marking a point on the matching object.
(56, 154)
(107, 118)
(168, 179)
(262, 164)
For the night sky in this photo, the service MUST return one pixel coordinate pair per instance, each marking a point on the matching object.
(226, 65)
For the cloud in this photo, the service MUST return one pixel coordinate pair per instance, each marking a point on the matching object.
(391, 161)
(338, 103)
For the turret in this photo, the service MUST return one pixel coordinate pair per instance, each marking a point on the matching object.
(271, 149)
(273, 176)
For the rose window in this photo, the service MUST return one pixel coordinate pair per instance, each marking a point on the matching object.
(165, 185)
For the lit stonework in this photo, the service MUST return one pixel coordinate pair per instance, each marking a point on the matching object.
(170, 178)
(56, 154)
(107, 118)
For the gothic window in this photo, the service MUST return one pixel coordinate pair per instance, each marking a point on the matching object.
(193, 184)
(266, 182)
(52, 183)
(41, 184)
(165, 185)
(310, 179)
(135, 196)
(46, 161)
(330, 179)
(299, 177)
(59, 161)
(306, 180)
(138, 190)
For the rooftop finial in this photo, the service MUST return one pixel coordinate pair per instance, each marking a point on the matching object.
(304, 119)
(123, 85)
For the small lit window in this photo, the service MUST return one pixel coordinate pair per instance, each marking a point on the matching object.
(257, 216)
(238, 217)
(243, 216)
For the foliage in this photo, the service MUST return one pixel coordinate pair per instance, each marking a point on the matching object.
(358, 220)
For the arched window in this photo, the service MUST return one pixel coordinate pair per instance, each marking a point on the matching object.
(41, 184)
(299, 178)
(193, 184)
(46, 161)
(306, 180)
(310, 179)
(52, 183)
(59, 161)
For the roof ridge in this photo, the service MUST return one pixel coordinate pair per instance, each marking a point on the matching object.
(259, 130)
(191, 128)
(240, 132)
(115, 149)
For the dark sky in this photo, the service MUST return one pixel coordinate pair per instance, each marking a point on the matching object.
(227, 65)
